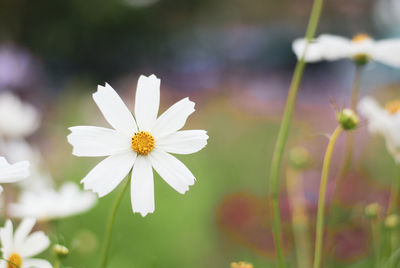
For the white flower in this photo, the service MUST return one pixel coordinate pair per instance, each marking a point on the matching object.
(18, 149)
(139, 144)
(18, 248)
(48, 204)
(360, 48)
(383, 121)
(12, 172)
(17, 119)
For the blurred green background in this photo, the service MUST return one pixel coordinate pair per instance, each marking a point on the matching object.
(234, 59)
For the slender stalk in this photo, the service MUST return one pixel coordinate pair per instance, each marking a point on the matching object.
(393, 260)
(322, 196)
(394, 193)
(300, 221)
(375, 240)
(348, 155)
(57, 263)
(284, 130)
(111, 221)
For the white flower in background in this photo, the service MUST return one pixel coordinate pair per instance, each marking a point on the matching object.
(139, 144)
(362, 48)
(12, 172)
(17, 150)
(48, 204)
(19, 248)
(17, 119)
(384, 121)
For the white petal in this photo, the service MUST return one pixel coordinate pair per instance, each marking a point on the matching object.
(387, 51)
(333, 47)
(142, 186)
(173, 119)
(183, 142)
(97, 141)
(21, 233)
(377, 117)
(147, 101)
(36, 263)
(313, 51)
(12, 173)
(114, 110)
(3, 264)
(173, 171)
(104, 177)
(34, 244)
(6, 238)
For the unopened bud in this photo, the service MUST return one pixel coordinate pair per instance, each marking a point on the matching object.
(241, 265)
(392, 221)
(61, 251)
(299, 157)
(348, 119)
(372, 210)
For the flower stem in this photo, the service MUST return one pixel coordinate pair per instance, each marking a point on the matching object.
(111, 221)
(394, 193)
(322, 196)
(284, 129)
(57, 263)
(375, 240)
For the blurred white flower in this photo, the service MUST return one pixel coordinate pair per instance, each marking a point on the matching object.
(48, 204)
(17, 119)
(141, 144)
(383, 121)
(12, 172)
(361, 48)
(19, 248)
(18, 150)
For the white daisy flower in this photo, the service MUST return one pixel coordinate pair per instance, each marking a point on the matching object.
(17, 119)
(139, 144)
(362, 48)
(18, 248)
(48, 204)
(10, 173)
(384, 121)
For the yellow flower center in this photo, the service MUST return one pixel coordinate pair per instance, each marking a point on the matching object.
(241, 265)
(393, 106)
(360, 38)
(14, 261)
(142, 142)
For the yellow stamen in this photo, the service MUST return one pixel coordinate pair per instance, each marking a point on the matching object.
(142, 142)
(14, 261)
(361, 37)
(241, 265)
(393, 106)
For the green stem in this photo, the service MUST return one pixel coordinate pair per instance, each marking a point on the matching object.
(356, 88)
(322, 196)
(394, 195)
(394, 259)
(111, 221)
(284, 129)
(349, 143)
(375, 240)
(57, 263)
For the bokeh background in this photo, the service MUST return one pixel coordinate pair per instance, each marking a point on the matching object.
(234, 59)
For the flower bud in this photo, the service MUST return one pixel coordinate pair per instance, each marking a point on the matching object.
(392, 221)
(241, 265)
(348, 119)
(361, 59)
(61, 251)
(372, 210)
(299, 157)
